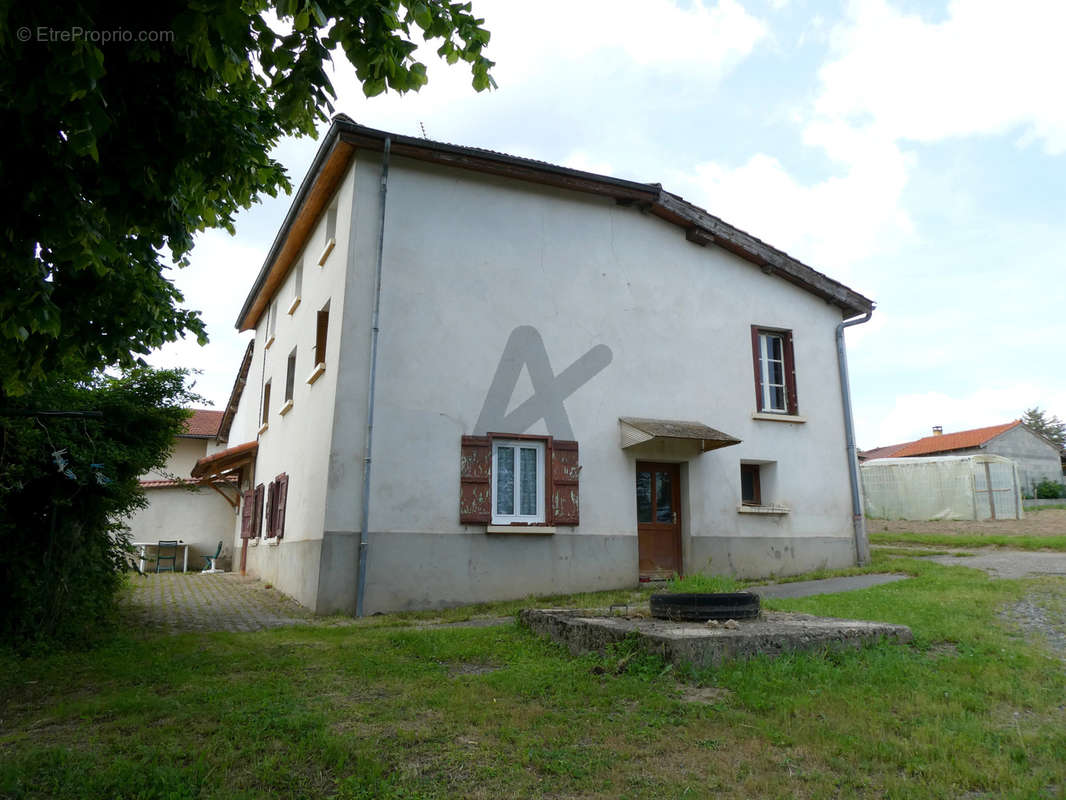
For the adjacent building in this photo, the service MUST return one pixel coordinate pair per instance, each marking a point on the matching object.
(505, 377)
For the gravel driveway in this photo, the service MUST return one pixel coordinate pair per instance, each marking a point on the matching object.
(1008, 563)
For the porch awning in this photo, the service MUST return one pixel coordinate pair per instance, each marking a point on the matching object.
(226, 460)
(638, 430)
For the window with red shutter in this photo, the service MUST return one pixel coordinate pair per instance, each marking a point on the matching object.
(775, 371)
(257, 522)
(564, 479)
(247, 514)
(475, 479)
(279, 506)
(271, 509)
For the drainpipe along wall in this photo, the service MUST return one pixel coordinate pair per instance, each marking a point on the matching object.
(364, 528)
(858, 521)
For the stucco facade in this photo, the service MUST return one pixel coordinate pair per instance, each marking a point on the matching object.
(599, 311)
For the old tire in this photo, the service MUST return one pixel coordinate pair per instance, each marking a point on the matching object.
(700, 607)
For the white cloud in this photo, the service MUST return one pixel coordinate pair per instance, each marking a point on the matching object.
(913, 416)
(988, 68)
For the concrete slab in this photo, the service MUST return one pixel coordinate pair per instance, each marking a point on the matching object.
(696, 643)
(824, 586)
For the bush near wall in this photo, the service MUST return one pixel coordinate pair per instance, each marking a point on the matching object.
(66, 484)
(1050, 490)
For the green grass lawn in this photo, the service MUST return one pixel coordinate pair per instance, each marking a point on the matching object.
(1015, 541)
(390, 710)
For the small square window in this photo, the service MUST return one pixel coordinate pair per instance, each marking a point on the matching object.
(517, 481)
(750, 485)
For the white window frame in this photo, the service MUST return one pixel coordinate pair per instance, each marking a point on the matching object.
(510, 519)
(764, 376)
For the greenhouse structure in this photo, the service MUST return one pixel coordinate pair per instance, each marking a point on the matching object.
(976, 487)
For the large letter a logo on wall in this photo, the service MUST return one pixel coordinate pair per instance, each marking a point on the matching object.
(526, 348)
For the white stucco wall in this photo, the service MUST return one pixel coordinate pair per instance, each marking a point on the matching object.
(298, 442)
(199, 517)
(469, 258)
(184, 456)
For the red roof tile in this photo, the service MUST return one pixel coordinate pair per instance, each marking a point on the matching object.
(225, 460)
(887, 451)
(952, 441)
(203, 424)
(168, 484)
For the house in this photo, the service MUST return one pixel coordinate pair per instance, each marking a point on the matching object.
(179, 509)
(477, 377)
(1038, 458)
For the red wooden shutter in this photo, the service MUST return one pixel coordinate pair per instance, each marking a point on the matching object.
(257, 523)
(247, 509)
(564, 491)
(271, 515)
(756, 358)
(790, 374)
(279, 506)
(475, 479)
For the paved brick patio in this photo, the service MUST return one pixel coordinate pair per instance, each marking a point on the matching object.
(177, 602)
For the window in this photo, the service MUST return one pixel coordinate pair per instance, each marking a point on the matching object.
(518, 484)
(290, 376)
(331, 234)
(518, 481)
(775, 371)
(266, 404)
(321, 332)
(297, 286)
(272, 323)
(750, 489)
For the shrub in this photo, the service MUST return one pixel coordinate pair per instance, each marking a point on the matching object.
(1050, 490)
(66, 485)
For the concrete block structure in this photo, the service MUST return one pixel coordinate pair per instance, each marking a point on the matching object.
(576, 382)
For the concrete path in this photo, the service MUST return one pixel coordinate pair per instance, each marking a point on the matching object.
(177, 602)
(1008, 563)
(824, 586)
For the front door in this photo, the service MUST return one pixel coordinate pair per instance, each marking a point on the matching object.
(658, 520)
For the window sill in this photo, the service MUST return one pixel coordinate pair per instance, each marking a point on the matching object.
(771, 509)
(520, 528)
(273, 542)
(326, 251)
(262, 429)
(293, 306)
(316, 373)
(269, 342)
(285, 409)
(770, 417)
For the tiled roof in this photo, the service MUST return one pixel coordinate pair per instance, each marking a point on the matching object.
(203, 424)
(169, 484)
(952, 441)
(888, 451)
(225, 460)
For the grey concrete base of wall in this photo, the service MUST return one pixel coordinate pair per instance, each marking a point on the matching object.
(763, 557)
(701, 646)
(291, 567)
(416, 571)
(425, 570)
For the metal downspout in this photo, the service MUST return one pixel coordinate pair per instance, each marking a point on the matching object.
(364, 528)
(858, 521)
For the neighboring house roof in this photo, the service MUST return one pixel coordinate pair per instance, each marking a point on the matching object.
(168, 484)
(881, 452)
(235, 394)
(947, 442)
(203, 424)
(345, 136)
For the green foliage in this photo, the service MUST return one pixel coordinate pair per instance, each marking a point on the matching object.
(1050, 490)
(1051, 428)
(65, 485)
(704, 583)
(119, 151)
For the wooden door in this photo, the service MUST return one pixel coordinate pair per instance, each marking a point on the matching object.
(658, 493)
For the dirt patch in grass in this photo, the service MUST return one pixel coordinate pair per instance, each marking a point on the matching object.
(1051, 522)
(709, 695)
(467, 668)
(940, 650)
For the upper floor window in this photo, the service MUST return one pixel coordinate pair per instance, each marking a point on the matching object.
(775, 371)
(272, 324)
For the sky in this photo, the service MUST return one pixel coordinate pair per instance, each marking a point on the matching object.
(914, 150)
